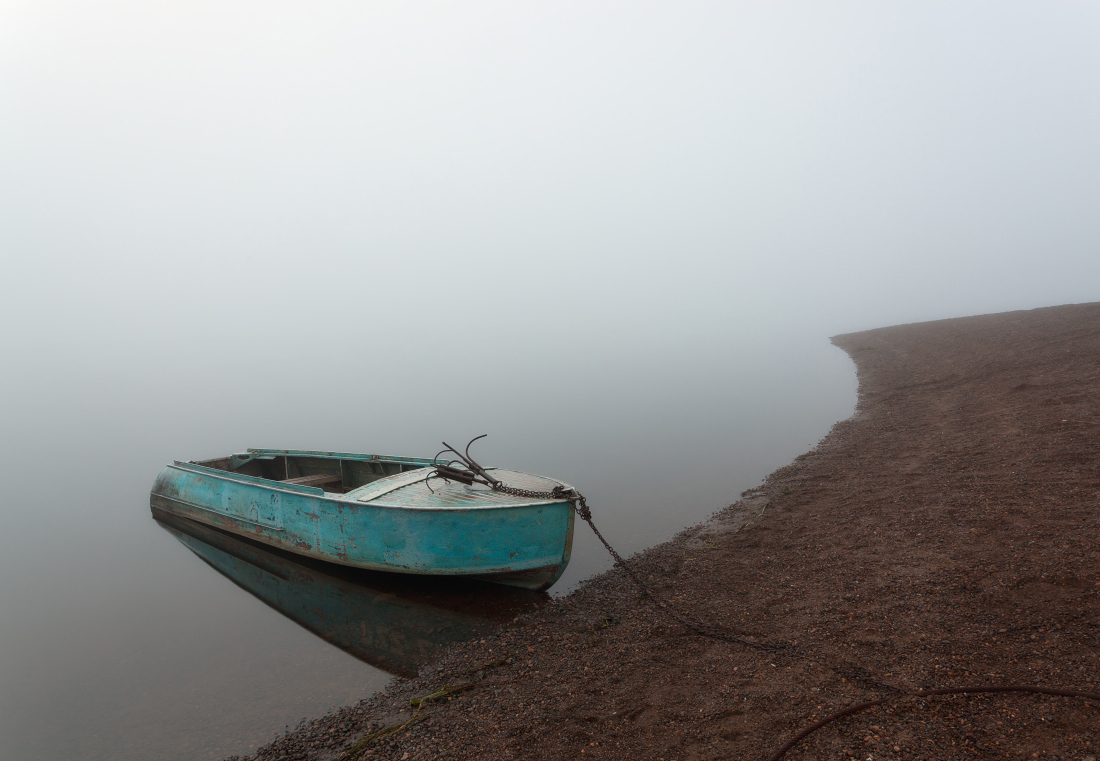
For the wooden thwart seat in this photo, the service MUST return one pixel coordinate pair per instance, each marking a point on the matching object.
(315, 480)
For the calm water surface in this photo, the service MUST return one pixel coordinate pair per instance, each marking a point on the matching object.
(122, 638)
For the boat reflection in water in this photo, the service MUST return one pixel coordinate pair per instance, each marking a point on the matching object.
(394, 622)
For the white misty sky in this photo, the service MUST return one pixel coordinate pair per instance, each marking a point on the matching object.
(233, 178)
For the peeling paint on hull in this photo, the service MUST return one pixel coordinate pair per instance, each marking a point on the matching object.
(523, 545)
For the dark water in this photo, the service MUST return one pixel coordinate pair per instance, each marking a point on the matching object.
(121, 638)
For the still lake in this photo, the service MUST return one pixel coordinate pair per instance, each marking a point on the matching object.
(124, 639)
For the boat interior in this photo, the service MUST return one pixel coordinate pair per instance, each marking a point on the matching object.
(331, 472)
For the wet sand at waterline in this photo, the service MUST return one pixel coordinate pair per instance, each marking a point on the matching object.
(946, 535)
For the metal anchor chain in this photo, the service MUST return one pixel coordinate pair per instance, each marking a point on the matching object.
(470, 472)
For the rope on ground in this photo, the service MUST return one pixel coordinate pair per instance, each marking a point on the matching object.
(860, 707)
(470, 472)
(681, 617)
(354, 751)
(755, 518)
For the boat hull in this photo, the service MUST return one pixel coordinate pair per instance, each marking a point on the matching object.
(526, 546)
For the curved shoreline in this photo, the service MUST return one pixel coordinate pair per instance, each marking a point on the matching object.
(945, 534)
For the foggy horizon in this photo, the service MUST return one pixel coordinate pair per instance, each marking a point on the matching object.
(193, 170)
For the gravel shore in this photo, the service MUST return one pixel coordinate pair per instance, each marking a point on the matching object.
(948, 534)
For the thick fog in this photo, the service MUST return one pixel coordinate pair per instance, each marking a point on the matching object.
(614, 236)
(343, 188)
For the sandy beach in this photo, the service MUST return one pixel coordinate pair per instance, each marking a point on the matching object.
(946, 535)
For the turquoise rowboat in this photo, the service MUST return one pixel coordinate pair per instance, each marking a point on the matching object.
(378, 512)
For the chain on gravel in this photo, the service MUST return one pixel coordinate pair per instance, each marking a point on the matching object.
(477, 474)
(580, 506)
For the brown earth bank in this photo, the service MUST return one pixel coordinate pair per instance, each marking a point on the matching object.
(946, 535)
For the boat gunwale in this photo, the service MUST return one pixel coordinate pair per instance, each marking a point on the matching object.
(359, 457)
(346, 499)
